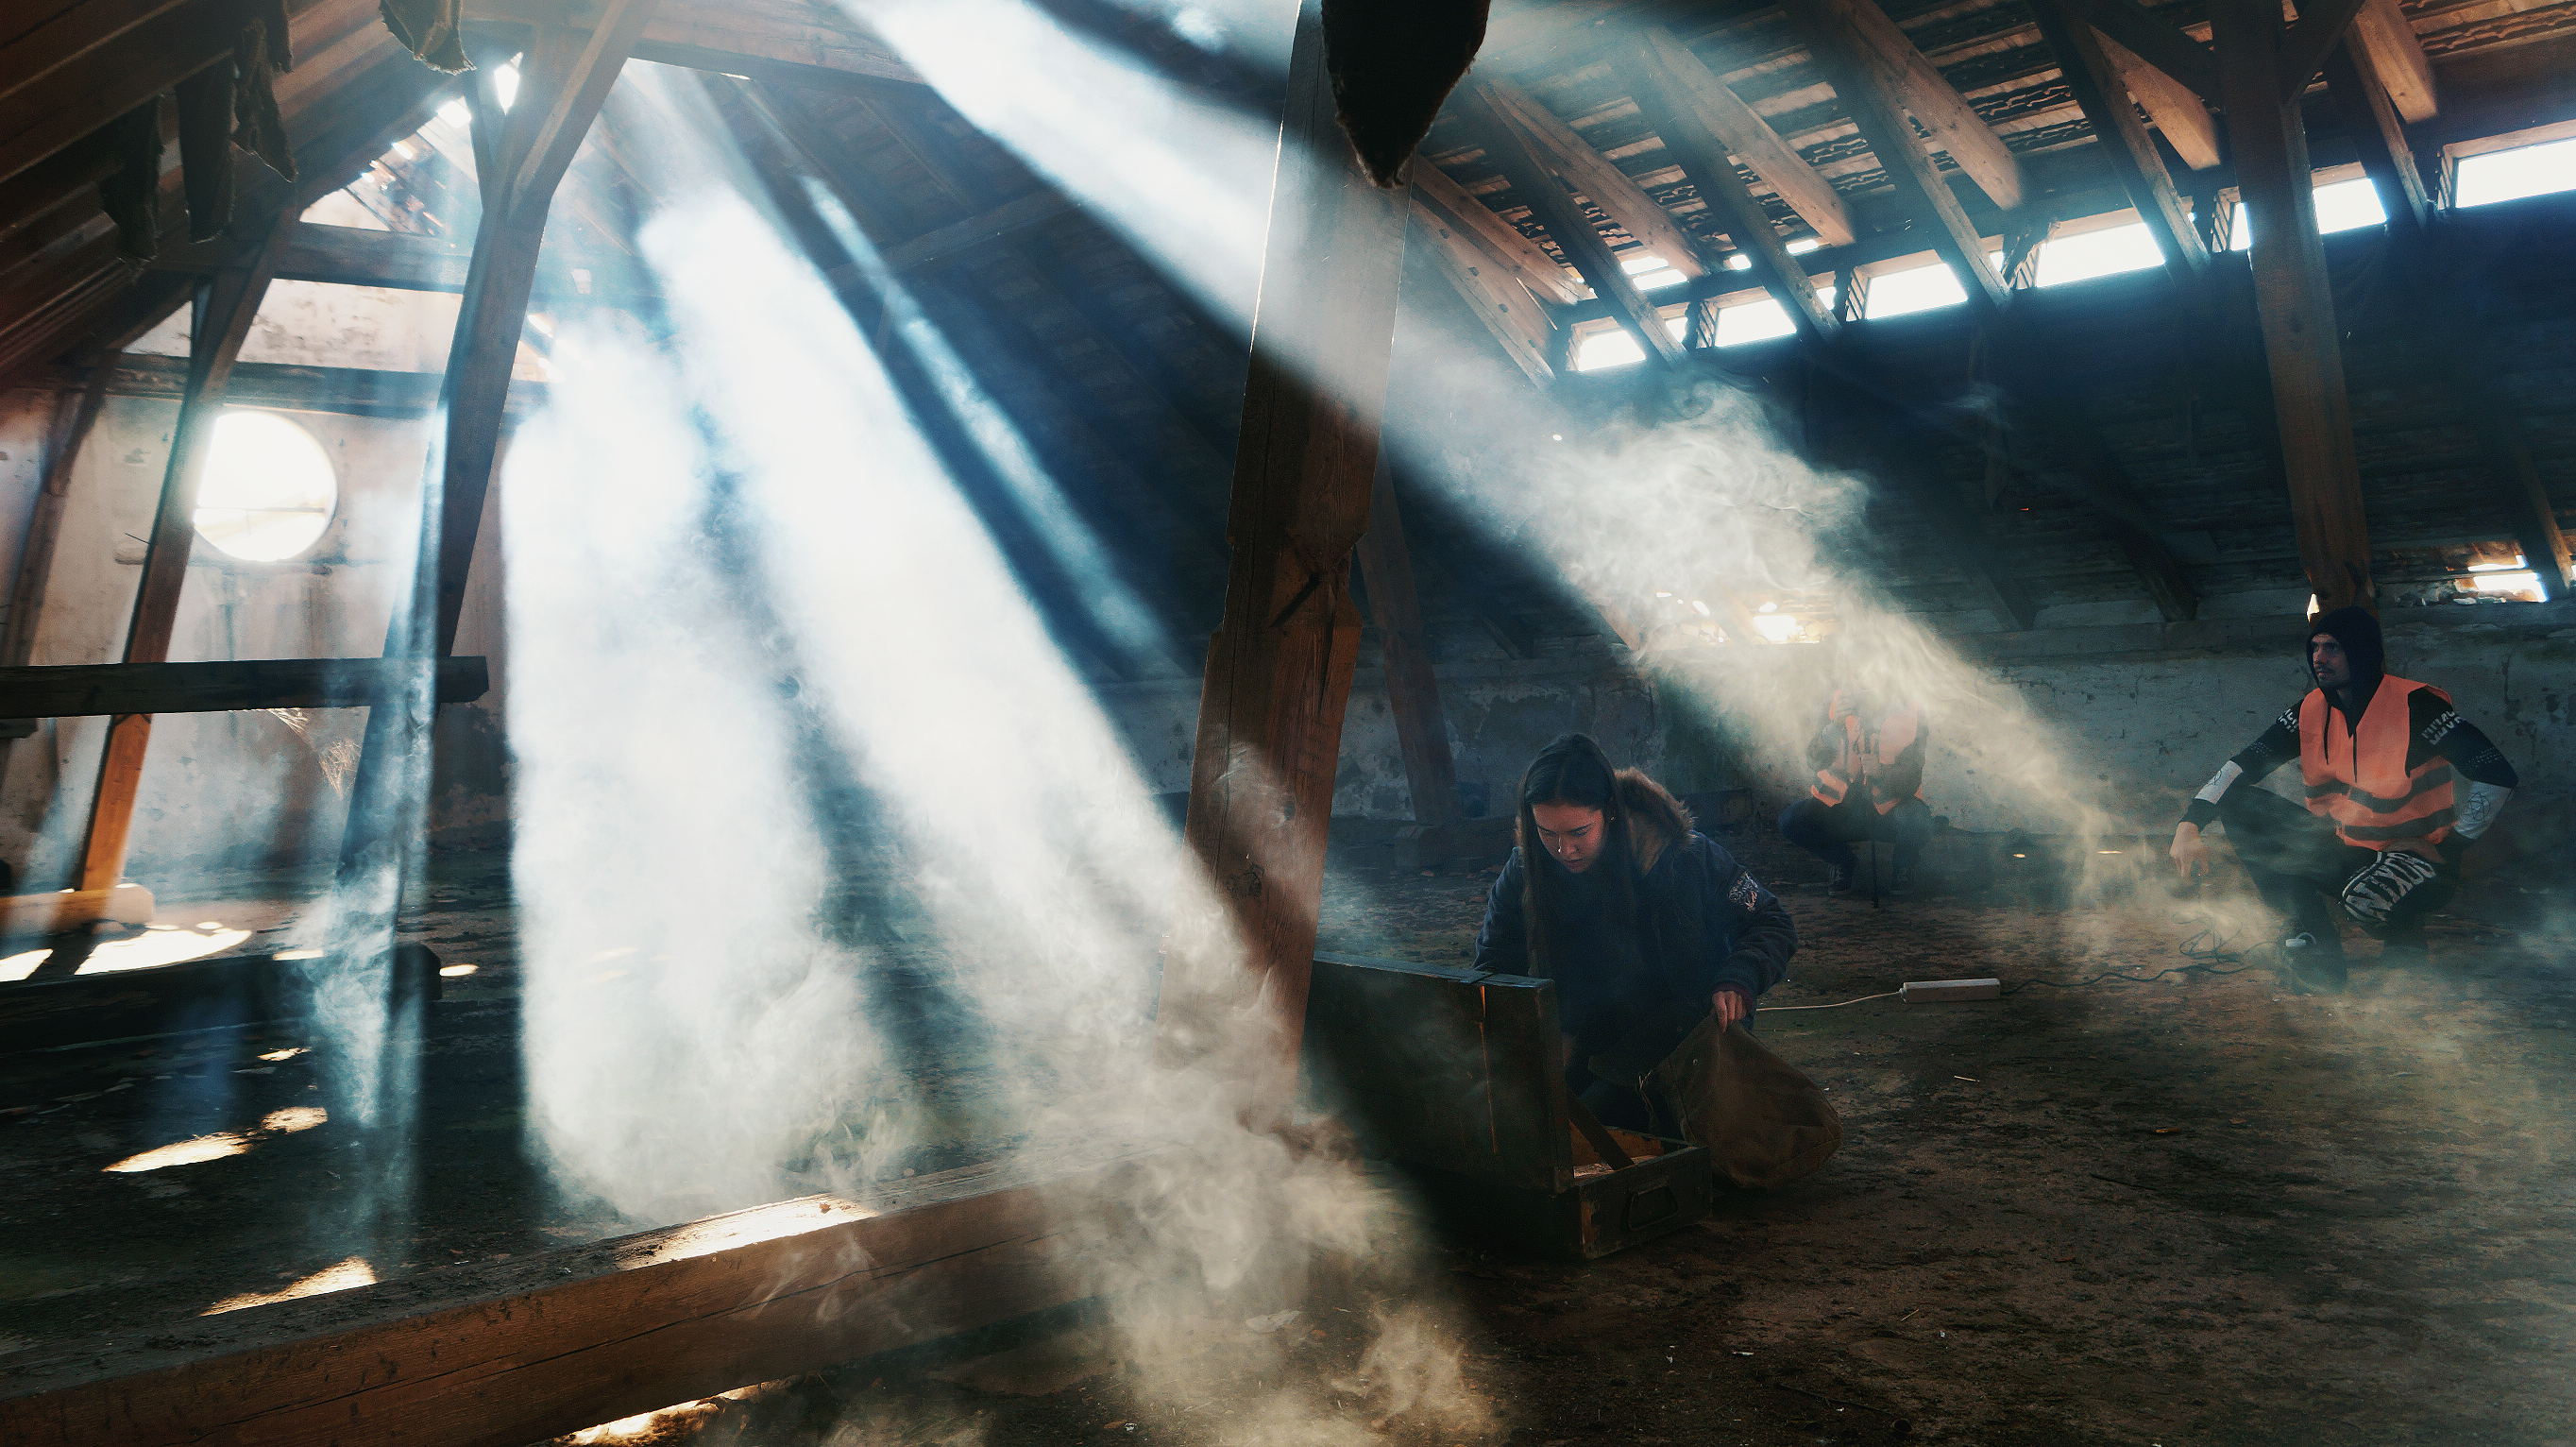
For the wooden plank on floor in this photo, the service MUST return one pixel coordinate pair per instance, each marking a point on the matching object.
(503, 1353)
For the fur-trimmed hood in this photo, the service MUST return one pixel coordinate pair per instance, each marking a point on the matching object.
(1649, 815)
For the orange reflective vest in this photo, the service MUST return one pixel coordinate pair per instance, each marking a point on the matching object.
(2358, 777)
(1866, 753)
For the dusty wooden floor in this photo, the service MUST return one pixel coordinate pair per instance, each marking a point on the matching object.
(2202, 1211)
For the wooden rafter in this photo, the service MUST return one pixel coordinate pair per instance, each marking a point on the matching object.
(2125, 143)
(1671, 88)
(2388, 38)
(1869, 47)
(1509, 146)
(2177, 110)
(2157, 41)
(1513, 255)
(1560, 150)
(1504, 308)
(1740, 131)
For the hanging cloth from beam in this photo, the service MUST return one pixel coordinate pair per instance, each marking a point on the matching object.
(434, 29)
(231, 103)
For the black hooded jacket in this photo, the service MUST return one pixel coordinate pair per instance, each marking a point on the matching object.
(2434, 727)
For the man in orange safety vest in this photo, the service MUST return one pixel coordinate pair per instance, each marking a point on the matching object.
(1868, 765)
(2396, 784)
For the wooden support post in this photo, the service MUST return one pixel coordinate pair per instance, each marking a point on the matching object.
(1279, 665)
(1508, 145)
(1671, 85)
(2295, 303)
(1412, 692)
(2125, 143)
(561, 91)
(225, 305)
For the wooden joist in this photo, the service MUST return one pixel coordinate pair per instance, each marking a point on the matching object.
(1280, 662)
(2319, 29)
(502, 1353)
(72, 690)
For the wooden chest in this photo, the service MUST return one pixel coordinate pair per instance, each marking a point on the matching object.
(1454, 1075)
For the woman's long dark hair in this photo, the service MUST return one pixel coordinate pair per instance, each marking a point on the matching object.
(1573, 770)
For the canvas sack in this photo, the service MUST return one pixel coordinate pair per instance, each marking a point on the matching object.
(1762, 1120)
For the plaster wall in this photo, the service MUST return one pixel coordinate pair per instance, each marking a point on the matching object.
(2127, 728)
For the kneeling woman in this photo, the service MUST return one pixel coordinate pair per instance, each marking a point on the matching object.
(1645, 926)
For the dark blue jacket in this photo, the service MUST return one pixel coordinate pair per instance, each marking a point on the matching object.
(1705, 924)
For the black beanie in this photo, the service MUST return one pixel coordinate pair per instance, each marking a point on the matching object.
(2358, 632)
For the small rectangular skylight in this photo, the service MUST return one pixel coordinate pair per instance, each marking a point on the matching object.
(2511, 175)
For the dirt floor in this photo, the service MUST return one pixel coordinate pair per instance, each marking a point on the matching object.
(2201, 1210)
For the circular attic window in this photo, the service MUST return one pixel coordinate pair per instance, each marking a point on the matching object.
(268, 488)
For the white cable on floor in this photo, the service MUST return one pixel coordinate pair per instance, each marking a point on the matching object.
(1766, 1009)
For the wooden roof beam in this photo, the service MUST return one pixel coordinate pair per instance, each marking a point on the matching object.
(111, 78)
(2125, 144)
(2319, 28)
(1513, 255)
(1559, 149)
(1671, 87)
(1866, 79)
(1869, 47)
(2176, 108)
(1509, 145)
(2388, 38)
(1694, 91)
(1506, 310)
(2157, 41)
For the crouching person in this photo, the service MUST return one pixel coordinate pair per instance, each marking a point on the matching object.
(1646, 926)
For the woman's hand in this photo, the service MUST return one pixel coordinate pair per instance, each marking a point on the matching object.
(1730, 1006)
